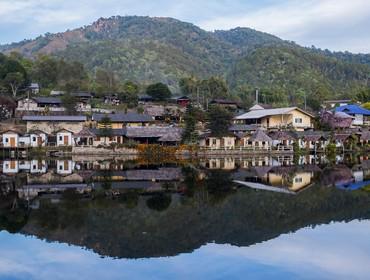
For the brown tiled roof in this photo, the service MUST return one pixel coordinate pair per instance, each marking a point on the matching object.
(260, 136)
(85, 132)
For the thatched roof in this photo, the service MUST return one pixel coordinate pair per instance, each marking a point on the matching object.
(85, 132)
(281, 135)
(164, 134)
(365, 135)
(341, 137)
(260, 136)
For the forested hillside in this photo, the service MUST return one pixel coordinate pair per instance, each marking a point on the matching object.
(147, 50)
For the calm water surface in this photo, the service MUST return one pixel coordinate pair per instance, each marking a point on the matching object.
(219, 218)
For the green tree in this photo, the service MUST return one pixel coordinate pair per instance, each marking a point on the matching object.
(45, 71)
(363, 96)
(105, 81)
(69, 102)
(219, 121)
(159, 202)
(190, 134)
(128, 93)
(14, 81)
(158, 91)
(106, 130)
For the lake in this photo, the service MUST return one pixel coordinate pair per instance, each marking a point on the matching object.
(284, 217)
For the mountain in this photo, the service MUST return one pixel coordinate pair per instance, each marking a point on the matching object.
(146, 49)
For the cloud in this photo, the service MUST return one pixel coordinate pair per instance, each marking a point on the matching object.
(326, 23)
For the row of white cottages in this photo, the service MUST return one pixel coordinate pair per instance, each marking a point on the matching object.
(259, 139)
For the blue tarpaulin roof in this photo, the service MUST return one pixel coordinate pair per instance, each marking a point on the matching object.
(353, 186)
(353, 110)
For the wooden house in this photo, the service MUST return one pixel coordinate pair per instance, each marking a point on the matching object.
(279, 118)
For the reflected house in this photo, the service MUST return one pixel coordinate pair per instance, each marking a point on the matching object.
(337, 175)
(257, 161)
(52, 177)
(24, 165)
(10, 166)
(228, 163)
(38, 166)
(65, 167)
(290, 178)
(148, 179)
(207, 140)
(31, 191)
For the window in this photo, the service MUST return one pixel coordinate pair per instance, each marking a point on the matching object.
(98, 138)
(298, 120)
(6, 140)
(214, 141)
(298, 180)
(34, 139)
(60, 138)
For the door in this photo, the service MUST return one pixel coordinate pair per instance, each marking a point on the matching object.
(12, 142)
(65, 140)
(66, 165)
(39, 141)
(119, 139)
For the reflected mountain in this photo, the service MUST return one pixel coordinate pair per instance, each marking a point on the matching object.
(177, 209)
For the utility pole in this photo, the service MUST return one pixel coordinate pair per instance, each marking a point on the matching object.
(257, 95)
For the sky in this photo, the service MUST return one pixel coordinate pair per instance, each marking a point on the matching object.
(324, 252)
(339, 25)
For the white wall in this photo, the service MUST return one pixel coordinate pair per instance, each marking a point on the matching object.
(8, 136)
(60, 138)
(34, 137)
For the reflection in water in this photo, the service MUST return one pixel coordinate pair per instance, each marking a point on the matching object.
(131, 209)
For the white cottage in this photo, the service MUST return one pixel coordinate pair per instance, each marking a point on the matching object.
(10, 139)
(64, 137)
(38, 138)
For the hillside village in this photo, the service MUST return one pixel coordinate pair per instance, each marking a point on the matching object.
(44, 121)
